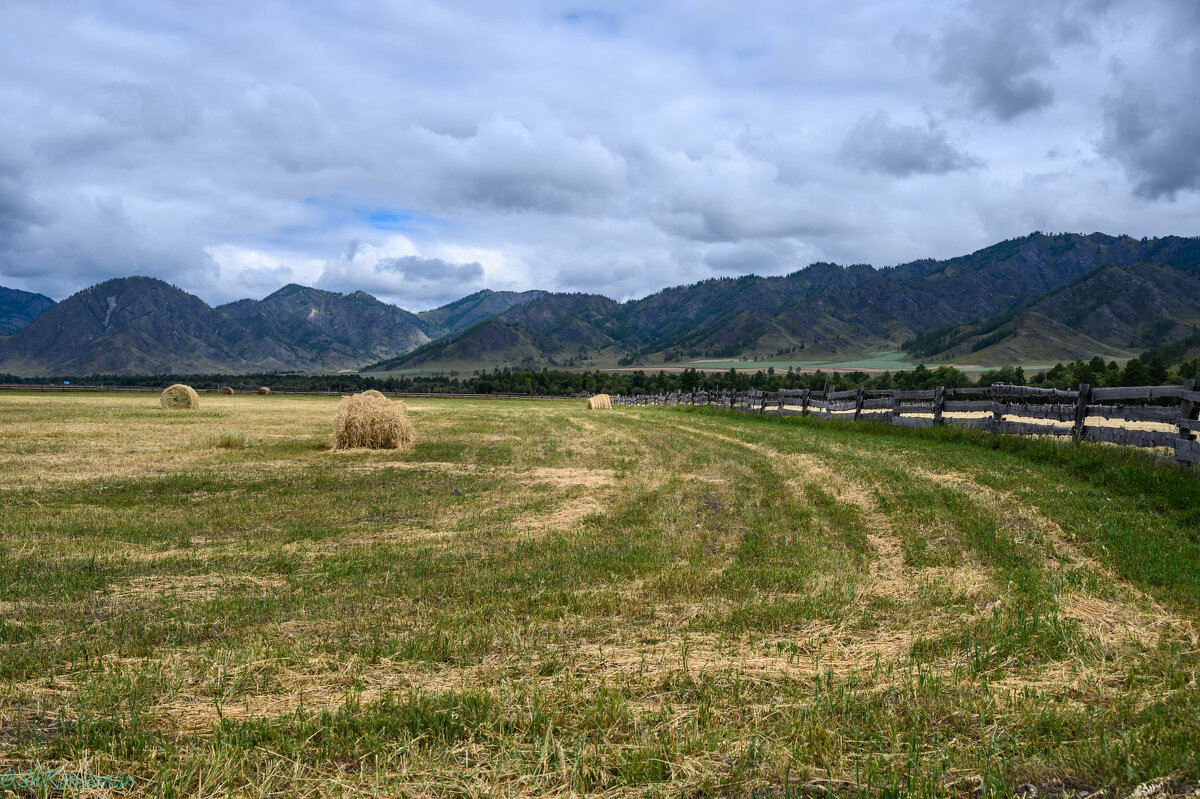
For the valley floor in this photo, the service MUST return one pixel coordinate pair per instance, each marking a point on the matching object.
(539, 599)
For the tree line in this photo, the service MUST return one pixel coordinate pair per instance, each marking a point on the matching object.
(1149, 369)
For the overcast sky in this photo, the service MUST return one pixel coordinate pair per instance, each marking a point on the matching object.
(421, 151)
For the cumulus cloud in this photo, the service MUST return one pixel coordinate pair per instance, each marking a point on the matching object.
(507, 165)
(395, 272)
(879, 145)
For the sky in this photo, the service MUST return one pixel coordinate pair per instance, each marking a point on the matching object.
(421, 151)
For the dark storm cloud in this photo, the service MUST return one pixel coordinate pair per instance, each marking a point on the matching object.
(18, 211)
(998, 62)
(879, 145)
(1003, 55)
(1152, 125)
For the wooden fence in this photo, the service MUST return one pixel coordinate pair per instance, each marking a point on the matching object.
(1060, 413)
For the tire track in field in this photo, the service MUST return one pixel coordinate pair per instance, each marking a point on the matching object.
(888, 575)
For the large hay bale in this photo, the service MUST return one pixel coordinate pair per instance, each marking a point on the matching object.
(179, 398)
(225, 391)
(264, 390)
(371, 421)
(600, 402)
(370, 392)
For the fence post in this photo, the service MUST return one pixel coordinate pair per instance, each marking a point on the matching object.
(804, 402)
(858, 402)
(897, 411)
(1188, 410)
(1085, 396)
(998, 410)
(939, 400)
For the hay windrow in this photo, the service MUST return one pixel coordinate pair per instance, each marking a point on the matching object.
(225, 391)
(264, 390)
(179, 398)
(600, 402)
(370, 422)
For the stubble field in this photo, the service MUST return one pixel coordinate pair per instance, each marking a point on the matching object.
(542, 600)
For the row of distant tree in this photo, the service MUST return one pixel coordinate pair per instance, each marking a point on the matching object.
(1150, 369)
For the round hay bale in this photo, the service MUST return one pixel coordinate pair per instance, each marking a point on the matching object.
(179, 398)
(264, 390)
(370, 392)
(225, 391)
(600, 402)
(371, 422)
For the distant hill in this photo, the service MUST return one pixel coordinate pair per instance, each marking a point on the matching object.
(142, 325)
(19, 308)
(552, 328)
(937, 309)
(321, 329)
(461, 314)
(1113, 311)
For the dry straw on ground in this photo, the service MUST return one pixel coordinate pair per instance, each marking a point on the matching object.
(371, 421)
(600, 402)
(179, 398)
(264, 390)
(225, 390)
(398, 404)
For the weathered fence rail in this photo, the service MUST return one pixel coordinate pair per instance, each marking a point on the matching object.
(998, 408)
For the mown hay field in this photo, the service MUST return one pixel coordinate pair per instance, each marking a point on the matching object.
(534, 600)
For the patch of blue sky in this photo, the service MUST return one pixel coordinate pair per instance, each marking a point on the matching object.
(331, 213)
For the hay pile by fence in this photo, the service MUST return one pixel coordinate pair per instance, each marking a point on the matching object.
(225, 390)
(264, 390)
(372, 421)
(600, 402)
(179, 398)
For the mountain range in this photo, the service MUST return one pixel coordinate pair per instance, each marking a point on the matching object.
(1038, 298)
(142, 325)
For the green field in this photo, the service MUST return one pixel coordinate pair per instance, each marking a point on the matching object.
(890, 360)
(542, 600)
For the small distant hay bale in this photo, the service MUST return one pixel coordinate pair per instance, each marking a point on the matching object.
(600, 402)
(371, 421)
(179, 398)
(264, 390)
(225, 391)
